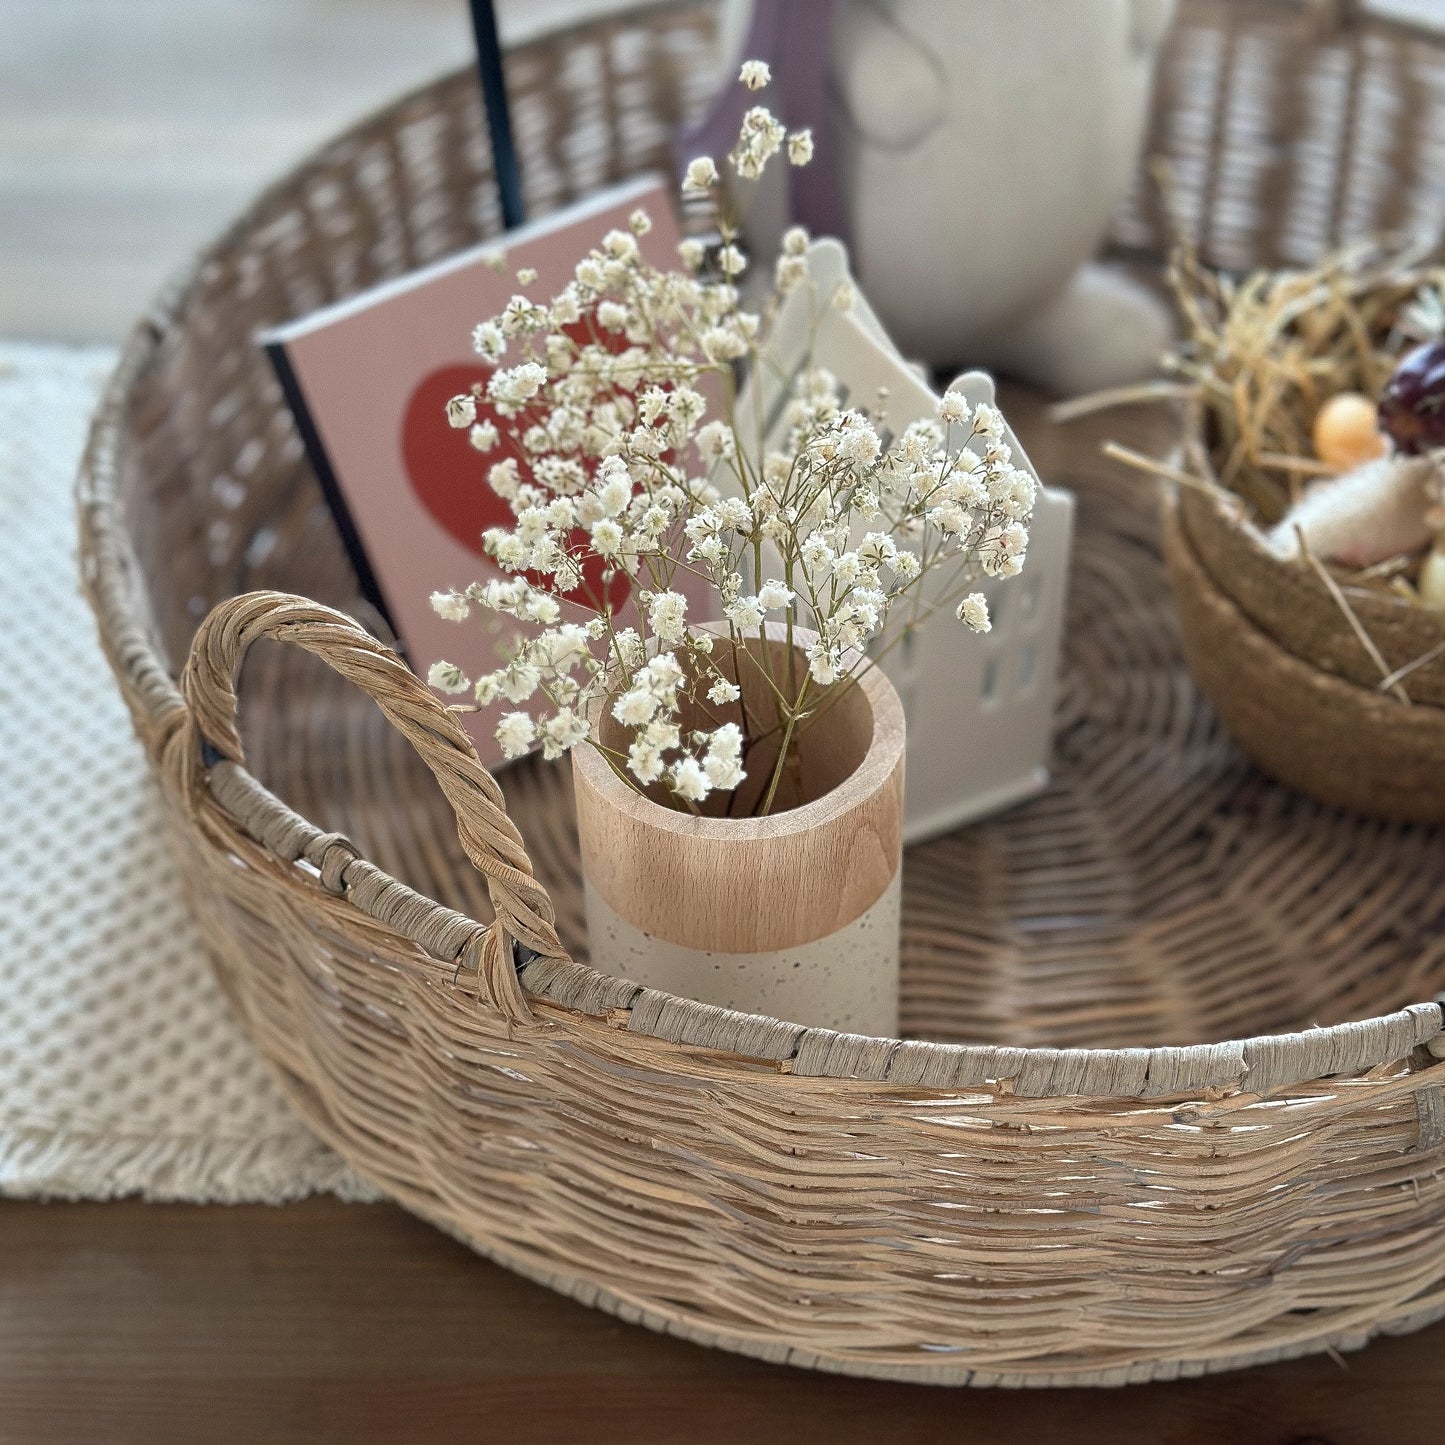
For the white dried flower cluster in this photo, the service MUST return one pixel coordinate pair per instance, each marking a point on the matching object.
(701, 175)
(622, 460)
(755, 74)
(973, 610)
(759, 140)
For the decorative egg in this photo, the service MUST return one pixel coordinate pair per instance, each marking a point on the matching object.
(1431, 582)
(1412, 406)
(1347, 432)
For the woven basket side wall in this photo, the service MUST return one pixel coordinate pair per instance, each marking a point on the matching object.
(1288, 129)
(730, 1186)
(1038, 1240)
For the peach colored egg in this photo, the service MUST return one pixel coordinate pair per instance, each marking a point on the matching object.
(1347, 432)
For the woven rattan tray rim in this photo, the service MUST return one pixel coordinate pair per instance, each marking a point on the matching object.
(110, 571)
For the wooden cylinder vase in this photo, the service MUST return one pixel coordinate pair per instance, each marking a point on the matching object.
(794, 915)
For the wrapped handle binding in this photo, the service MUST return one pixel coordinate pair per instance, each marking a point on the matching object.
(488, 835)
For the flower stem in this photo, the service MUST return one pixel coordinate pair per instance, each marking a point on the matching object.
(778, 766)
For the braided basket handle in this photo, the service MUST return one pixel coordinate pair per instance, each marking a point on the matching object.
(488, 835)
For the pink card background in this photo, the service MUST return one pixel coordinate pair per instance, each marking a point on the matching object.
(361, 364)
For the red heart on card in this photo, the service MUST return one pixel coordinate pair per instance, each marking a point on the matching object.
(449, 476)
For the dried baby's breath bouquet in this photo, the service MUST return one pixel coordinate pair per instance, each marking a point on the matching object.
(636, 477)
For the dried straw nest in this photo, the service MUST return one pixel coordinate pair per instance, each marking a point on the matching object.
(1264, 354)
(1331, 680)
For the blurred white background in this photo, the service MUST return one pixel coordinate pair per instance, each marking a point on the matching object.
(132, 130)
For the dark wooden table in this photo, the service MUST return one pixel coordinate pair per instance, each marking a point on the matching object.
(323, 1322)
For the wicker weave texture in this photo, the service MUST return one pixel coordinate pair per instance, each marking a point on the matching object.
(1057, 1176)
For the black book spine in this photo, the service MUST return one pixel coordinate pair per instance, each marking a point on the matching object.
(499, 116)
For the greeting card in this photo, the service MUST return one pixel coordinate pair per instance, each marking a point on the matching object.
(369, 379)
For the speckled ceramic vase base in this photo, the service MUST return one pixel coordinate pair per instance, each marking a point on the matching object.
(846, 981)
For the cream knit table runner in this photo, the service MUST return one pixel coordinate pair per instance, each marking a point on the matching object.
(121, 1071)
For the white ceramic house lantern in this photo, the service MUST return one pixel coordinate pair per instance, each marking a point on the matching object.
(978, 709)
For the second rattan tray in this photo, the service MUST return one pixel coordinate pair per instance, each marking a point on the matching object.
(1166, 1100)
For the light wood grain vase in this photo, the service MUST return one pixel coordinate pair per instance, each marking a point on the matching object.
(794, 915)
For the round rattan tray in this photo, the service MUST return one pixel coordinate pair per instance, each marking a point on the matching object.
(1166, 1100)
